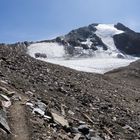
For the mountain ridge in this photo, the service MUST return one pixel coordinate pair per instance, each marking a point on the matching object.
(124, 42)
(88, 47)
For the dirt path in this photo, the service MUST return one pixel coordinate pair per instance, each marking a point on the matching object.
(18, 121)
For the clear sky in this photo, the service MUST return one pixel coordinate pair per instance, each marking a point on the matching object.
(32, 20)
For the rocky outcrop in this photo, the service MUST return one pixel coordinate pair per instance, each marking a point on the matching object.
(128, 42)
(122, 27)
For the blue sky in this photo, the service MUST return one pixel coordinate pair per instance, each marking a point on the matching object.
(32, 20)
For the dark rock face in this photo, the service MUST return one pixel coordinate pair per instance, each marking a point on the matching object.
(76, 37)
(120, 26)
(128, 43)
(81, 33)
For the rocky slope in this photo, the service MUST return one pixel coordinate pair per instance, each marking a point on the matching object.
(50, 102)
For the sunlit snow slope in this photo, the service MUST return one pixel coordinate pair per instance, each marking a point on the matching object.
(106, 33)
(101, 60)
(52, 50)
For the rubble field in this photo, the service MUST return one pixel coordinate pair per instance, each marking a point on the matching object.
(42, 101)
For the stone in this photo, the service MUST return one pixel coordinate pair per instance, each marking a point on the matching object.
(7, 92)
(77, 137)
(29, 104)
(39, 111)
(6, 104)
(4, 97)
(128, 127)
(70, 112)
(41, 105)
(41, 55)
(83, 129)
(3, 122)
(60, 120)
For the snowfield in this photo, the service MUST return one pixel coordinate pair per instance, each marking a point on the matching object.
(98, 64)
(93, 65)
(106, 33)
(52, 50)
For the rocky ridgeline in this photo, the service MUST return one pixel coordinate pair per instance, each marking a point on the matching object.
(42, 101)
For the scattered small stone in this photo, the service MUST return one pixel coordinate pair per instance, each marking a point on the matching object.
(77, 137)
(39, 111)
(29, 93)
(29, 104)
(96, 138)
(47, 117)
(7, 92)
(74, 130)
(63, 110)
(41, 105)
(16, 98)
(4, 97)
(6, 104)
(83, 129)
(4, 82)
(71, 113)
(128, 127)
(82, 122)
(89, 119)
(108, 131)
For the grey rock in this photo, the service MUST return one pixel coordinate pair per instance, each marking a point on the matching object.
(3, 122)
(83, 129)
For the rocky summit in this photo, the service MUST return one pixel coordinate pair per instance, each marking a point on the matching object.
(40, 100)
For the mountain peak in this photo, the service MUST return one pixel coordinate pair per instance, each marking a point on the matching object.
(122, 27)
(88, 44)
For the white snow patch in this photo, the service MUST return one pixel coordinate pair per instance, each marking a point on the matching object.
(106, 33)
(87, 42)
(93, 65)
(52, 50)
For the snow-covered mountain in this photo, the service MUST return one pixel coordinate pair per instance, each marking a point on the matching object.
(95, 48)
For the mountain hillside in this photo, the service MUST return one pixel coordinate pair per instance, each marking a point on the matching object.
(107, 105)
(95, 48)
(95, 36)
(44, 101)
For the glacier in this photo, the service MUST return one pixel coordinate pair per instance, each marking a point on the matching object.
(100, 62)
